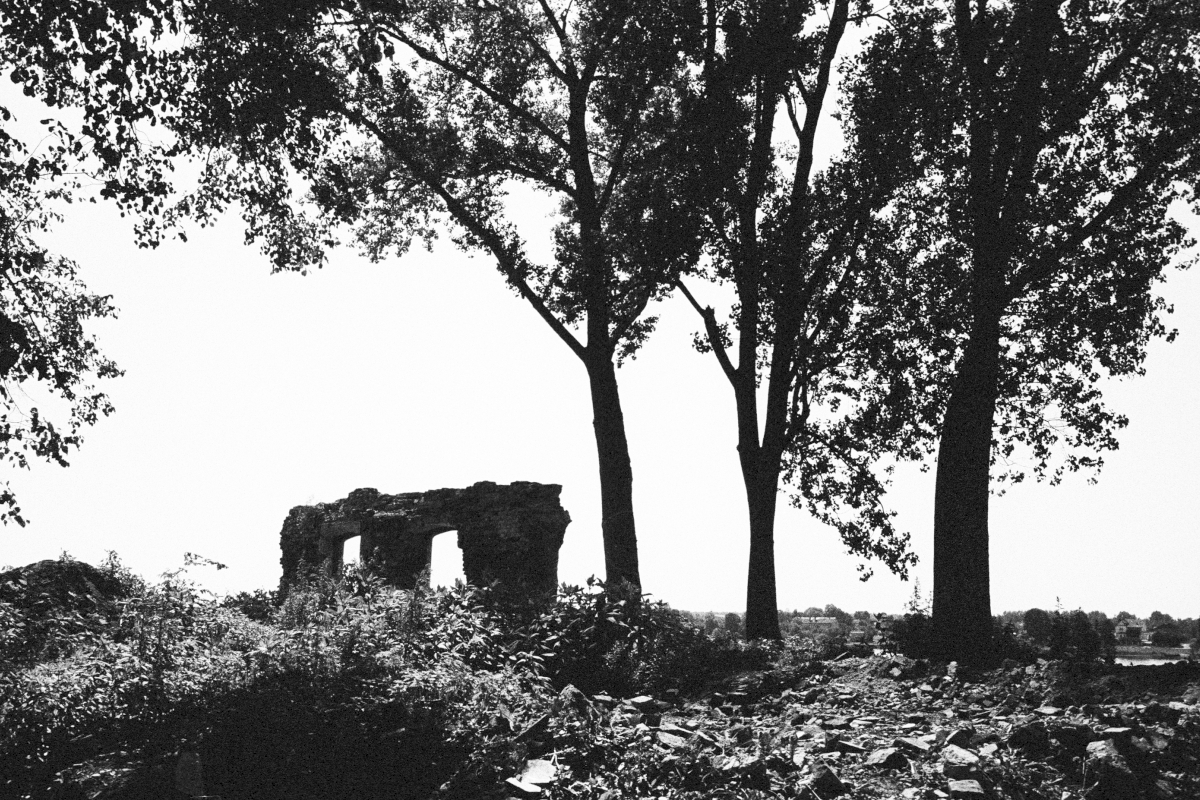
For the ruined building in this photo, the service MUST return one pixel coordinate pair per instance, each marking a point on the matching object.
(509, 535)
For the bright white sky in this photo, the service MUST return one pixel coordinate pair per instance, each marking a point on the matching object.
(246, 394)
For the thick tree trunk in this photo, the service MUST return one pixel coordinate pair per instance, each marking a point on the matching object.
(616, 477)
(962, 615)
(762, 609)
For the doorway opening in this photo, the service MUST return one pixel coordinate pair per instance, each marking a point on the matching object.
(351, 549)
(445, 561)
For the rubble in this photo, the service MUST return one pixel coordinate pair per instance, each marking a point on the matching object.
(854, 728)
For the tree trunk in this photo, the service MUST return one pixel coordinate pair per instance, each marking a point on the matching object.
(616, 477)
(962, 615)
(762, 609)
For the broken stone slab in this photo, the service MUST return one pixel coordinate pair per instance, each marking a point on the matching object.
(525, 789)
(825, 782)
(911, 745)
(959, 763)
(1114, 780)
(960, 737)
(737, 762)
(1032, 738)
(538, 771)
(887, 758)
(671, 740)
(966, 790)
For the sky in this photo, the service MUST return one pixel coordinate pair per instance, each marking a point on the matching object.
(247, 393)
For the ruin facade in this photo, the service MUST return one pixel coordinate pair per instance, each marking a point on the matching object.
(509, 535)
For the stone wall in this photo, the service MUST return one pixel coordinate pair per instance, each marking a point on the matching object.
(508, 534)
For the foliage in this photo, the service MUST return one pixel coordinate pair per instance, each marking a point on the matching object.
(371, 684)
(1168, 635)
(1047, 143)
(1037, 624)
(94, 58)
(1073, 638)
(788, 238)
(405, 120)
(258, 605)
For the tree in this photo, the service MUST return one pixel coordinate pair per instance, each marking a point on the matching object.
(790, 240)
(1157, 619)
(1050, 139)
(1168, 635)
(1037, 625)
(408, 118)
(90, 56)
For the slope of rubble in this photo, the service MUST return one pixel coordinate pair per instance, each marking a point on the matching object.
(883, 727)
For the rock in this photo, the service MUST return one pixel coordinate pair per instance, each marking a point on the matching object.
(641, 702)
(1113, 779)
(534, 728)
(959, 763)
(911, 745)
(967, 790)
(825, 782)
(604, 700)
(960, 737)
(737, 762)
(1104, 748)
(837, 723)
(1049, 711)
(525, 789)
(741, 734)
(671, 740)
(572, 698)
(1031, 738)
(538, 771)
(848, 748)
(887, 758)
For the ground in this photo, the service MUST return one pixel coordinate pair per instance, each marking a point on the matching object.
(891, 727)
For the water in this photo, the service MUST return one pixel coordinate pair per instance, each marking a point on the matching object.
(1145, 662)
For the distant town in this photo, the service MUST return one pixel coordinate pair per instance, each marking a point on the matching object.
(1125, 636)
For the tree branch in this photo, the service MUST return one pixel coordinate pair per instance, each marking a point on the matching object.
(1121, 199)
(714, 334)
(510, 263)
(461, 73)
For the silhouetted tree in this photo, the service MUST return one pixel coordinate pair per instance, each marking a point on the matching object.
(790, 240)
(1051, 140)
(404, 119)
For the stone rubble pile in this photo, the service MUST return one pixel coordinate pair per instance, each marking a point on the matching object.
(889, 727)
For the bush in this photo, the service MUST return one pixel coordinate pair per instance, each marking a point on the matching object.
(258, 605)
(912, 635)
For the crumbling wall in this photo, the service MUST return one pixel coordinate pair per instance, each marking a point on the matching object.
(509, 534)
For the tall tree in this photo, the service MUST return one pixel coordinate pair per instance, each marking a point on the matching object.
(92, 57)
(404, 117)
(1051, 139)
(792, 242)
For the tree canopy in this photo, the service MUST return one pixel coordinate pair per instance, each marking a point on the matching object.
(792, 241)
(93, 57)
(405, 119)
(1050, 141)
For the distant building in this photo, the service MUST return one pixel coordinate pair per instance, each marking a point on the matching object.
(825, 622)
(1130, 630)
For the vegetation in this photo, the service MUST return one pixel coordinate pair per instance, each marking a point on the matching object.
(1050, 141)
(341, 673)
